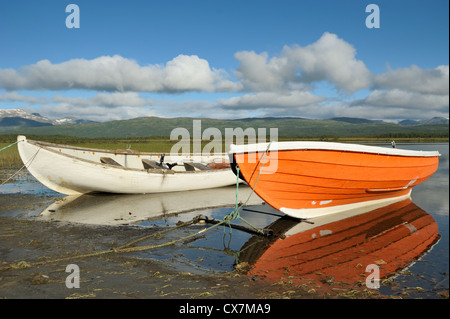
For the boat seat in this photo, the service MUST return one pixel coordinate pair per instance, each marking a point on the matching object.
(193, 166)
(189, 167)
(149, 164)
(109, 160)
(201, 167)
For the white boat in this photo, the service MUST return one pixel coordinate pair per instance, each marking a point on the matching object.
(77, 170)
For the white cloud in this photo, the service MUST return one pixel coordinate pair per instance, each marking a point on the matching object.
(102, 107)
(115, 73)
(328, 59)
(273, 100)
(393, 113)
(190, 73)
(405, 99)
(116, 99)
(281, 85)
(95, 113)
(256, 73)
(408, 93)
(415, 79)
(332, 59)
(15, 97)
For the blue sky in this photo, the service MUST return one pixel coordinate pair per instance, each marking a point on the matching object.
(225, 59)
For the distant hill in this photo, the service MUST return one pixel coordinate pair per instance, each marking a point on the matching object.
(288, 127)
(433, 121)
(16, 121)
(353, 120)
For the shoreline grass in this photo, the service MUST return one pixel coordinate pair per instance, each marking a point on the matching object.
(9, 158)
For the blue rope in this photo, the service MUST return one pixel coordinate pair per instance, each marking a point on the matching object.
(4, 148)
(235, 214)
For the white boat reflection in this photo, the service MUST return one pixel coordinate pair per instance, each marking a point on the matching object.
(108, 209)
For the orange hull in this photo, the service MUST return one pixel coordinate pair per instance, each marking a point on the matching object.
(304, 182)
(390, 237)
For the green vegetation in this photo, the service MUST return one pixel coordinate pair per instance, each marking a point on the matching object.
(287, 127)
(152, 134)
(10, 157)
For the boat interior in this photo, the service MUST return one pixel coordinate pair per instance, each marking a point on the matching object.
(146, 161)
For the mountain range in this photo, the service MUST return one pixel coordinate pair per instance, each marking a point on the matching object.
(21, 118)
(21, 122)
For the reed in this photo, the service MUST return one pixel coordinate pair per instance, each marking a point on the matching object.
(9, 158)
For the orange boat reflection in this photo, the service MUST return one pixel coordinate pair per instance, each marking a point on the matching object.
(339, 251)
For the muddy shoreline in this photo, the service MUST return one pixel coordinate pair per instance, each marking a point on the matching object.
(26, 243)
(29, 247)
(34, 254)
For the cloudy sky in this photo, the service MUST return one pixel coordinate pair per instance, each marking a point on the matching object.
(225, 59)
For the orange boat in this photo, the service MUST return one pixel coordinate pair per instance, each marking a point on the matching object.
(341, 246)
(310, 179)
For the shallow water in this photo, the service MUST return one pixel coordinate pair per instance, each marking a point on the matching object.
(222, 248)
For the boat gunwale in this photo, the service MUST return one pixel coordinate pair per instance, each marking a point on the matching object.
(47, 146)
(328, 146)
(119, 151)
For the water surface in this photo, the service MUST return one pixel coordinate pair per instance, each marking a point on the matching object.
(220, 249)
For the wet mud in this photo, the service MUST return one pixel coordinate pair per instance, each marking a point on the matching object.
(28, 270)
(35, 253)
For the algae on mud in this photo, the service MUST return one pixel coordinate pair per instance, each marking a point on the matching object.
(201, 269)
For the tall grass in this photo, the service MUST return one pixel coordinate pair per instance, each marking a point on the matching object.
(9, 158)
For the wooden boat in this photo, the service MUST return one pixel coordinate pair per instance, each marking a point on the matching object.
(339, 248)
(74, 170)
(309, 179)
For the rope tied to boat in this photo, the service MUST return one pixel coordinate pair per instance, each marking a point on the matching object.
(235, 214)
(23, 166)
(4, 148)
(126, 248)
(129, 247)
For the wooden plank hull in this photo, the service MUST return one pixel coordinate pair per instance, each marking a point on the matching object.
(306, 180)
(71, 170)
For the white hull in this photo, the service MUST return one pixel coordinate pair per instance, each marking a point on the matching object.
(70, 170)
(357, 208)
(311, 179)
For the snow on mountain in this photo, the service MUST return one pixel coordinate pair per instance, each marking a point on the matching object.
(19, 117)
(18, 113)
(433, 121)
